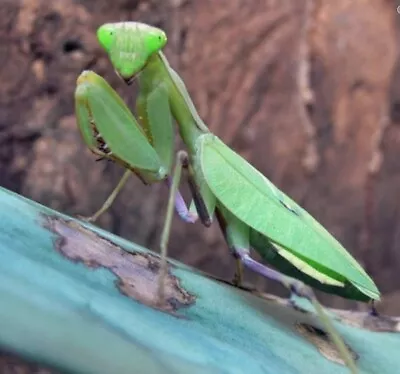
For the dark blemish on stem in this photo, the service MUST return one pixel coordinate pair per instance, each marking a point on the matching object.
(322, 341)
(137, 272)
(289, 208)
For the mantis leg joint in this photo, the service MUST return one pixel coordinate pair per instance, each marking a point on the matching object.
(183, 158)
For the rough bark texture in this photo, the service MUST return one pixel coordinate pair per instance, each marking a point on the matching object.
(307, 90)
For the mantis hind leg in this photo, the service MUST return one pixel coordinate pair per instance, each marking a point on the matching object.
(237, 235)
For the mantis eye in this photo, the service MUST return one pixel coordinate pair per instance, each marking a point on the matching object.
(105, 36)
(154, 40)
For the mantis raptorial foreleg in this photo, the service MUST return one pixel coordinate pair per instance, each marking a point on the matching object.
(111, 131)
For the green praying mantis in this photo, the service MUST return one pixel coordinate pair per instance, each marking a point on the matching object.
(250, 210)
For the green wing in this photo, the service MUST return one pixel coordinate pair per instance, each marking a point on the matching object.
(252, 198)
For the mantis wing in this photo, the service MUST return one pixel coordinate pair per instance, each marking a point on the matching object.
(252, 198)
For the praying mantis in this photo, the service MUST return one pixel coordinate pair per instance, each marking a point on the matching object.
(251, 211)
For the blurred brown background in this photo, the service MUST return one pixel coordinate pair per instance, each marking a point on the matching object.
(307, 90)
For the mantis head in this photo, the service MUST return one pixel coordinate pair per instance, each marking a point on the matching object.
(130, 45)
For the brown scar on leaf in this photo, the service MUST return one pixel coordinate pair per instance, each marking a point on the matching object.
(137, 272)
(362, 320)
(377, 323)
(321, 340)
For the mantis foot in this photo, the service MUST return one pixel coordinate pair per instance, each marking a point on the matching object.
(238, 277)
(373, 312)
(90, 219)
